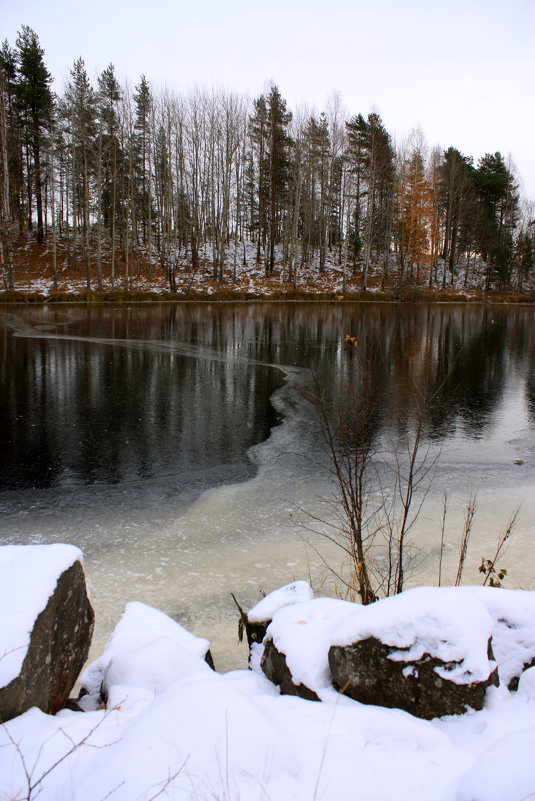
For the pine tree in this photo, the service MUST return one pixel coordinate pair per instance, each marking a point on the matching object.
(380, 176)
(109, 95)
(271, 146)
(34, 99)
(80, 110)
(6, 220)
(317, 148)
(142, 157)
(258, 172)
(498, 197)
(455, 189)
(524, 255)
(357, 155)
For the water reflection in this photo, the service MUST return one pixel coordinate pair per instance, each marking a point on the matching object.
(93, 410)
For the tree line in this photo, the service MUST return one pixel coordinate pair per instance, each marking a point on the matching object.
(161, 177)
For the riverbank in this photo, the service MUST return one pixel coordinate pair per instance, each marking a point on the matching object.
(42, 277)
(230, 295)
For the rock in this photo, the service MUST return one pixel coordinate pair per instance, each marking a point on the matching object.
(151, 642)
(58, 646)
(274, 666)
(256, 620)
(364, 671)
(427, 651)
(294, 652)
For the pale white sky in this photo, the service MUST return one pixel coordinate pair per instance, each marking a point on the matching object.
(462, 70)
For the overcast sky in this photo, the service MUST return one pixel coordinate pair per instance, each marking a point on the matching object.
(462, 70)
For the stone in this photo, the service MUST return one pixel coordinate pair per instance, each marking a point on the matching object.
(255, 622)
(274, 666)
(59, 644)
(365, 672)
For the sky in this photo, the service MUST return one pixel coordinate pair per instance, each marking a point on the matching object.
(462, 71)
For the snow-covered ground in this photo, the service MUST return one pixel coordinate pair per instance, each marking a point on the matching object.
(173, 728)
(244, 275)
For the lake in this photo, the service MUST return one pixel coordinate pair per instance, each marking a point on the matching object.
(178, 446)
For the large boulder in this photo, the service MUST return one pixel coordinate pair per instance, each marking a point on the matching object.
(46, 624)
(365, 671)
(427, 651)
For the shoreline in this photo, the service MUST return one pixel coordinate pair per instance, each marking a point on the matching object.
(122, 297)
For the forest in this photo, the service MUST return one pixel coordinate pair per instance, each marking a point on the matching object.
(118, 181)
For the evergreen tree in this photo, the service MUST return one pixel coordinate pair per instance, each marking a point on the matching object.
(524, 256)
(380, 176)
(315, 203)
(34, 99)
(498, 198)
(357, 155)
(142, 156)
(6, 232)
(279, 167)
(80, 110)
(258, 172)
(456, 183)
(13, 134)
(271, 146)
(109, 95)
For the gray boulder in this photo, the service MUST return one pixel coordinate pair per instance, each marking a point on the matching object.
(366, 672)
(58, 646)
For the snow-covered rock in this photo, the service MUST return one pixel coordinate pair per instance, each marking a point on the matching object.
(295, 650)
(427, 650)
(148, 650)
(46, 623)
(257, 619)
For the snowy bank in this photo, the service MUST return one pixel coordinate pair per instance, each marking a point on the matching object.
(173, 727)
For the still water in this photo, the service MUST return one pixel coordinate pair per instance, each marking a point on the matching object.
(178, 447)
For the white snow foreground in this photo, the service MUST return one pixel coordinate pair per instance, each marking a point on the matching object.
(175, 729)
(29, 577)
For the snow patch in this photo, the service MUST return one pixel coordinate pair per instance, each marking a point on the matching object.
(294, 593)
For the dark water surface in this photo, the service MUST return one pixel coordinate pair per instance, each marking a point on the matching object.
(99, 395)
